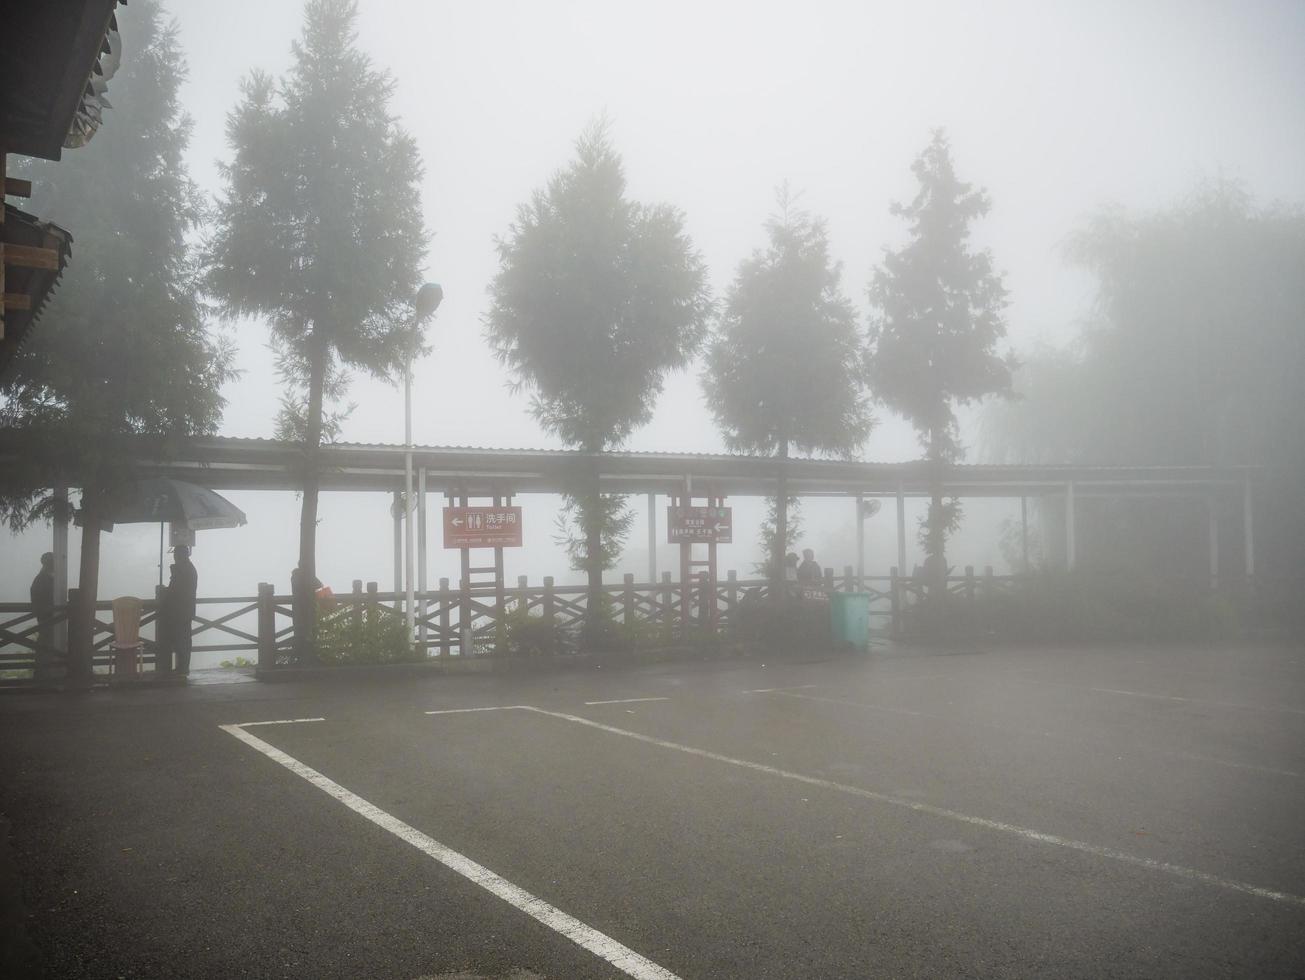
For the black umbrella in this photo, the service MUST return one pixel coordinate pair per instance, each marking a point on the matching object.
(159, 500)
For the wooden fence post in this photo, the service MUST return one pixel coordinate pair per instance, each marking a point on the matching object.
(849, 579)
(895, 601)
(266, 626)
(969, 584)
(550, 611)
(162, 646)
(445, 599)
(628, 614)
(356, 610)
(829, 580)
(731, 599)
(668, 611)
(989, 612)
(372, 601)
(523, 594)
(704, 600)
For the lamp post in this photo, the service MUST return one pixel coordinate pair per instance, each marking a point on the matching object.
(426, 303)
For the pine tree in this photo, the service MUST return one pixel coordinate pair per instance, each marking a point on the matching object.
(122, 356)
(320, 232)
(938, 317)
(596, 299)
(783, 365)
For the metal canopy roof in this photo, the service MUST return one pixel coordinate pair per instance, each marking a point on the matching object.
(227, 463)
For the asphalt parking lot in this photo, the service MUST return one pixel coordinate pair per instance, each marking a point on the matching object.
(1122, 812)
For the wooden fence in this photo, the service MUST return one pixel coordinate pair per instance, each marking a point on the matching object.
(464, 622)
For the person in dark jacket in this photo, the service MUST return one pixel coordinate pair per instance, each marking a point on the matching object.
(42, 594)
(180, 605)
(808, 572)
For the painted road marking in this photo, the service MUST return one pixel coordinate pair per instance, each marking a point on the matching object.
(1026, 833)
(621, 957)
(1168, 697)
(466, 711)
(952, 720)
(626, 701)
(283, 721)
(772, 690)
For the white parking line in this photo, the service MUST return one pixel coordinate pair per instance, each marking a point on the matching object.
(1149, 864)
(1238, 705)
(621, 957)
(466, 711)
(626, 701)
(953, 720)
(283, 721)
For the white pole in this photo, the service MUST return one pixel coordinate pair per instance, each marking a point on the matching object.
(409, 609)
(652, 537)
(1071, 537)
(1248, 527)
(1214, 542)
(901, 533)
(421, 550)
(397, 514)
(860, 542)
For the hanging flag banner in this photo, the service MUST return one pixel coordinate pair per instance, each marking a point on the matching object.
(685, 525)
(482, 527)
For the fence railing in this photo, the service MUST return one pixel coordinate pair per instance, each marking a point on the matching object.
(463, 622)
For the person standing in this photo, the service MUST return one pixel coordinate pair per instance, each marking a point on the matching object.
(42, 595)
(180, 604)
(808, 572)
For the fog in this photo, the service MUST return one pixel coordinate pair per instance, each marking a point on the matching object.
(1055, 109)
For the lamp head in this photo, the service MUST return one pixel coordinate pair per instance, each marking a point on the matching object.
(428, 300)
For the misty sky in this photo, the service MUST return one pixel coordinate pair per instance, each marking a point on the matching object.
(1056, 108)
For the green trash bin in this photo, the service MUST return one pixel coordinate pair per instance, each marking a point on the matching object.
(850, 619)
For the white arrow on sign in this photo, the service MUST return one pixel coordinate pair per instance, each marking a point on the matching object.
(456, 522)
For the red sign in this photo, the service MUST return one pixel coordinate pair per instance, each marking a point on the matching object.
(688, 524)
(482, 527)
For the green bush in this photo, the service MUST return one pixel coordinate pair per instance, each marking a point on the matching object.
(797, 626)
(1118, 605)
(522, 634)
(377, 635)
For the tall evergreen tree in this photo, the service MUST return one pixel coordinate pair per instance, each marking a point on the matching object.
(597, 297)
(320, 232)
(938, 318)
(783, 365)
(122, 352)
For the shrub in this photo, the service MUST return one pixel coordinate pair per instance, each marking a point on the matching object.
(522, 634)
(377, 635)
(796, 626)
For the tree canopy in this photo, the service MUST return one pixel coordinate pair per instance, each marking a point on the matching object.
(596, 299)
(1193, 354)
(320, 233)
(123, 351)
(783, 365)
(782, 368)
(938, 316)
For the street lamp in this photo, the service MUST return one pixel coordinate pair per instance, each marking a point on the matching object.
(425, 304)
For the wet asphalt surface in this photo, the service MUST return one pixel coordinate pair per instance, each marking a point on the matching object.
(1120, 812)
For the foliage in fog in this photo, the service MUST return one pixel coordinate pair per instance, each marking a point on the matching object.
(938, 318)
(782, 367)
(597, 298)
(1195, 354)
(123, 350)
(319, 232)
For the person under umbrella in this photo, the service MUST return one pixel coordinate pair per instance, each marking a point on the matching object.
(179, 609)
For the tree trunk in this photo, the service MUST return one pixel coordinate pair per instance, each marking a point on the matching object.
(935, 534)
(81, 627)
(591, 514)
(305, 599)
(778, 584)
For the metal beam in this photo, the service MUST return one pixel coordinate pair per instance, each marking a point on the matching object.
(1071, 530)
(901, 533)
(421, 552)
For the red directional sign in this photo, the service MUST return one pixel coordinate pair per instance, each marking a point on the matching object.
(689, 524)
(482, 527)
